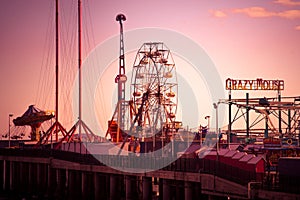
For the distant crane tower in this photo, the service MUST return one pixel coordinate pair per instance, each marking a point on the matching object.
(121, 77)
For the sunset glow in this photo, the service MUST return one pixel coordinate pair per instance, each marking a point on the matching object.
(244, 39)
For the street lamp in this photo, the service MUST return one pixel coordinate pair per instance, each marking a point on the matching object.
(217, 143)
(216, 105)
(9, 116)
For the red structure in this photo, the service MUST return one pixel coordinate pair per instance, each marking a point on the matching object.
(257, 164)
(235, 165)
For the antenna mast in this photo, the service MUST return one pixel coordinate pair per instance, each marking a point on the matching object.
(79, 66)
(56, 65)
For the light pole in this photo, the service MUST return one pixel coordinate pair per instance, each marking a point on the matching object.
(216, 105)
(9, 116)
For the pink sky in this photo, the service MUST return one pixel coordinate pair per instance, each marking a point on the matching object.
(245, 39)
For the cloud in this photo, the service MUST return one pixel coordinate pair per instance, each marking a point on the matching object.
(289, 14)
(287, 2)
(218, 13)
(255, 12)
(260, 12)
(297, 28)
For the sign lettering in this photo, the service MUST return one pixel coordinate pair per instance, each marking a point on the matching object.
(258, 84)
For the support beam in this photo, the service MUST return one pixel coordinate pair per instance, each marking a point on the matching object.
(266, 127)
(129, 188)
(247, 115)
(22, 175)
(279, 116)
(11, 175)
(289, 120)
(101, 186)
(229, 119)
(30, 178)
(4, 175)
(74, 184)
(179, 189)
(147, 188)
(166, 189)
(38, 176)
(61, 184)
(115, 186)
(188, 190)
(97, 186)
(160, 188)
(84, 185)
(51, 181)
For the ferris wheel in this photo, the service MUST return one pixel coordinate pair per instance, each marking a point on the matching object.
(154, 88)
